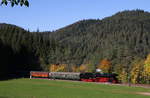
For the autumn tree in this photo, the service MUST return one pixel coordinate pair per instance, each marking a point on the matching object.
(61, 68)
(57, 68)
(123, 76)
(75, 68)
(146, 72)
(122, 73)
(53, 68)
(90, 67)
(105, 66)
(83, 68)
(136, 71)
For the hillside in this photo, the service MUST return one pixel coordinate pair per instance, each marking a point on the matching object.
(119, 38)
(16, 52)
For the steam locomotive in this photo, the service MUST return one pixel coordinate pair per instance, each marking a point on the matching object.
(86, 77)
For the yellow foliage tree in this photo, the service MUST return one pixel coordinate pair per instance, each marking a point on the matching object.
(83, 68)
(147, 61)
(90, 67)
(136, 71)
(57, 68)
(53, 68)
(146, 72)
(61, 68)
(105, 66)
(123, 76)
(75, 68)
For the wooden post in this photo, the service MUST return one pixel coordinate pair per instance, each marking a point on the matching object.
(30, 75)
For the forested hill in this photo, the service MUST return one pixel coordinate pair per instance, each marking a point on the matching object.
(120, 38)
(123, 35)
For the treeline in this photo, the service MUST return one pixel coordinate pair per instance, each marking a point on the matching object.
(137, 72)
(121, 39)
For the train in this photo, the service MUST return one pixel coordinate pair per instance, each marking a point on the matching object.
(77, 76)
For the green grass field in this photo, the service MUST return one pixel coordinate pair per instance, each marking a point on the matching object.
(38, 88)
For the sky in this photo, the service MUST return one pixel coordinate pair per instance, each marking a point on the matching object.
(49, 15)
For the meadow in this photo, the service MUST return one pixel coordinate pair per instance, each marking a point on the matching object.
(39, 88)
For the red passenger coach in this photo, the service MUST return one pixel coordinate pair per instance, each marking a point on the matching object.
(38, 74)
